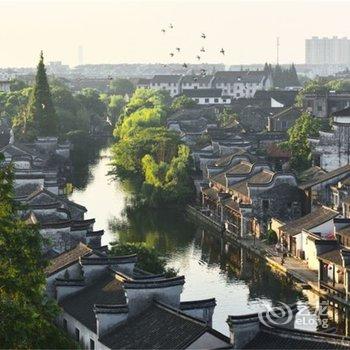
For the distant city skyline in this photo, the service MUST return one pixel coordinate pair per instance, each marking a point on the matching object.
(130, 31)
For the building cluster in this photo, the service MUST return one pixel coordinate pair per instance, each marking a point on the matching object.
(246, 187)
(207, 89)
(40, 178)
(327, 50)
(106, 301)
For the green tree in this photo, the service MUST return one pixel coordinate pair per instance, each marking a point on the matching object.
(148, 258)
(305, 127)
(128, 152)
(26, 316)
(183, 102)
(227, 117)
(92, 108)
(150, 153)
(40, 117)
(121, 86)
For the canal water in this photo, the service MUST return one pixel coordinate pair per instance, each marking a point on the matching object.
(240, 281)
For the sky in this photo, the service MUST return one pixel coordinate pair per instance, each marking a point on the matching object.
(121, 31)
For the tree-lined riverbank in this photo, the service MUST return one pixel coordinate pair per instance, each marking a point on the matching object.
(240, 281)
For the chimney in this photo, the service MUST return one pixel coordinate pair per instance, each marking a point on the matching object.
(66, 287)
(109, 316)
(141, 293)
(243, 329)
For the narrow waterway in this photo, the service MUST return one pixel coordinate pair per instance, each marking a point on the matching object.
(240, 281)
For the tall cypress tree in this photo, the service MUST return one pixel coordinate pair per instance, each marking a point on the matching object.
(40, 116)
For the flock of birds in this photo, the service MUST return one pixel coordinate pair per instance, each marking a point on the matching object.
(198, 56)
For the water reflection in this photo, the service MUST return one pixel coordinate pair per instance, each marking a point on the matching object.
(240, 281)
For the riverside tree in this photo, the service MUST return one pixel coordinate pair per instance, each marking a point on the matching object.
(39, 116)
(151, 154)
(305, 126)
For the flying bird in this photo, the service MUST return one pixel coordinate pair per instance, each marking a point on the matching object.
(203, 36)
(171, 54)
(178, 49)
(195, 79)
(198, 57)
(163, 31)
(222, 51)
(171, 26)
(185, 65)
(202, 49)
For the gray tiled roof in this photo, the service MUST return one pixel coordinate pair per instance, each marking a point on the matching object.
(202, 93)
(197, 79)
(67, 258)
(170, 78)
(307, 222)
(107, 290)
(271, 338)
(262, 177)
(345, 170)
(158, 327)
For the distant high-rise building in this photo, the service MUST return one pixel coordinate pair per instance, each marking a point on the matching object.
(80, 55)
(327, 50)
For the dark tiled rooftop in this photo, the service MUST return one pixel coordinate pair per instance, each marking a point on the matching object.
(107, 290)
(321, 177)
(262, 177)
(333, 256)
(202, 93)
(307, 222)
(276, 339)
(67, 258)
(158, 327)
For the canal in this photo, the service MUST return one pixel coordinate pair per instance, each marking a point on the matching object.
(240, 282)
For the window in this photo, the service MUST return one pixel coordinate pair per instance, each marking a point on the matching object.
(238, 94)
(65, 324)
(216, 100)
(195, 87)
(77, 334)
(196, 99)
(92, 345)
(224, 100)
(319, 108)
(206, 100)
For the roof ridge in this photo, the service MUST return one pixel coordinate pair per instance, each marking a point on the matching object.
(178, 312)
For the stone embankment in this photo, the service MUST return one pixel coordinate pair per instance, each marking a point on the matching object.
(296, 269)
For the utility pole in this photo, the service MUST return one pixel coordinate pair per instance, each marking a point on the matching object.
(278, 49)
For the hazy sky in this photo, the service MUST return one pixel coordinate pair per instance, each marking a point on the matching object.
(118, 31)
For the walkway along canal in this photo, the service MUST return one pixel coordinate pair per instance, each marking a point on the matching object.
(240, 280)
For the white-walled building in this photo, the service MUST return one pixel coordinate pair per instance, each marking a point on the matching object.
(207, 96)
(234, 84)
(327, 50)
(107, 303)
(239, 84)
(189, 82)
(169, 83)
(332, 149)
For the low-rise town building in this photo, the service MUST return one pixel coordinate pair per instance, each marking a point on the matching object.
(331, 149)
(107, 303)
